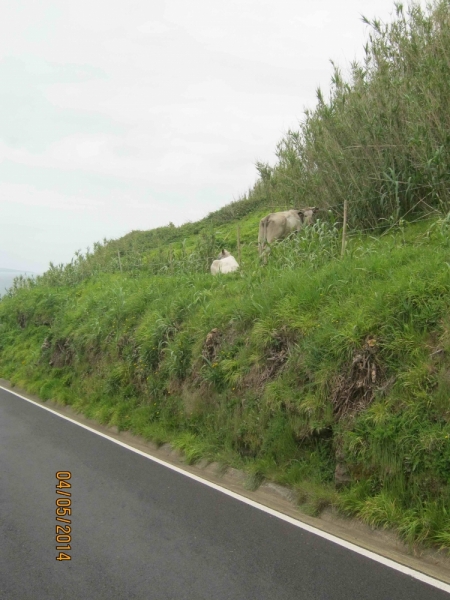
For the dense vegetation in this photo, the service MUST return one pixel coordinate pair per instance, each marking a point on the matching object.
(328, 374)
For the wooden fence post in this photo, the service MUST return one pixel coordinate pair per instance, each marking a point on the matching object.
(344, 230)
(239, 244)
(120, 263)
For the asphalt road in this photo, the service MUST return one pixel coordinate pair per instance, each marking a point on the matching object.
(143, 531)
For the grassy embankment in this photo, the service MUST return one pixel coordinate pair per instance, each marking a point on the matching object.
(314, 369)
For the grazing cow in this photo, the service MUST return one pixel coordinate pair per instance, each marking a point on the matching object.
(309, 215)
(279, 225)
(225, 263)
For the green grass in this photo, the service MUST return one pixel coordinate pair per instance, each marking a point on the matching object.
(314, 362)
(129, 351)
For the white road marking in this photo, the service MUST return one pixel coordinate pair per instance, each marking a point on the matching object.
(323, 534)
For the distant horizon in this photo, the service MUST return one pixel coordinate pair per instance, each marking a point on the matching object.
(7, 277)
(5, 269)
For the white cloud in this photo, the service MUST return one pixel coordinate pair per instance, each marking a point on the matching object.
(154, 28)
(316, 20)
(26, 195)
(90, 148)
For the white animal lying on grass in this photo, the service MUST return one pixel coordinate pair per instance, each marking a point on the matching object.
(224, 264)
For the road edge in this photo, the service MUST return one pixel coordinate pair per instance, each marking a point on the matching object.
(432, 567)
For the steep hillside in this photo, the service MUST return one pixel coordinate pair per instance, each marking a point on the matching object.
(326, 373)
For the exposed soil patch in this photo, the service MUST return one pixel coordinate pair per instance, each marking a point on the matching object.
(22, 320)
(355, 390)
(211, 345)
(63, 353)
(274, 360)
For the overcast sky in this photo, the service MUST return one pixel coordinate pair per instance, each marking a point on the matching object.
(119, 115)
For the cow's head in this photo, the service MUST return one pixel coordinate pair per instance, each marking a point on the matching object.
(308, 214)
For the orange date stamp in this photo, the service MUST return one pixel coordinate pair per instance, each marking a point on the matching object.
(63, 510)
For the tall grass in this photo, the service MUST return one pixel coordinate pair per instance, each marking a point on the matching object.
(314, 365)
(278, 386)
(381, 139)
